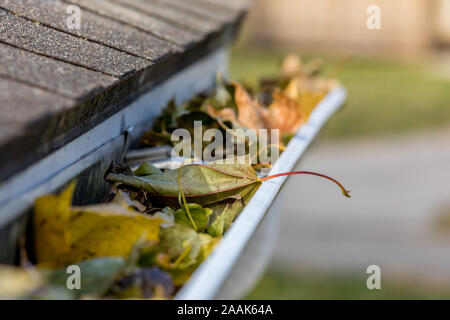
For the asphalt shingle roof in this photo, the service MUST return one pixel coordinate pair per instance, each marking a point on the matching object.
(53, 79)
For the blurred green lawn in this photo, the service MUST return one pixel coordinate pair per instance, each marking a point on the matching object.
(280, 285)
(384, 97)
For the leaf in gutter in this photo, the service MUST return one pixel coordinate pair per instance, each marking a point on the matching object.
(208, 244)
(202, 184)
(146, 169)
(108, 231)
(223, 216)
(182, 245)
(167, 121)
(250, 114)
(225, 212)
(97, 276)
(160, 135)
(199, 214)
(66, 235)
(153, 138)
(187, 120)
(285, 114)
(205, 184)
(52, 214)
(309, 100)
(306, 98)
(118, 169)
(182, 269)
(181, 276)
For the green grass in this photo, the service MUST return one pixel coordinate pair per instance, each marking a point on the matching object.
(278, 285)
(384, 96)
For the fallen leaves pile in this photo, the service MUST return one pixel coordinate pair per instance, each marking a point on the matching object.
(156, 227)
(283, 102)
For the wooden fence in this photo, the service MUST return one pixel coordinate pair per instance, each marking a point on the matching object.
(406, 25)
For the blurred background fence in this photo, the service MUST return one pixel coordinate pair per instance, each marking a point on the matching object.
(407, 25)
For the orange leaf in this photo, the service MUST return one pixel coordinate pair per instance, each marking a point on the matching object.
(285, 114)
(251, 115)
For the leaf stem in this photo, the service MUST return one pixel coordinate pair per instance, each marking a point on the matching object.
(182, 256)
(345, 192)
(180, 188)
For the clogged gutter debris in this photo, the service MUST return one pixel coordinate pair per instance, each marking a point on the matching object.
(157, 226)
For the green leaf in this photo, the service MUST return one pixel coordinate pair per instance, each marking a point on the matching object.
(199, 214)
(223, 216)
(97, 276)
(225, 212)
(182, 244)
(208, 244)
(202, 184)
(148, 255)
(146, 169)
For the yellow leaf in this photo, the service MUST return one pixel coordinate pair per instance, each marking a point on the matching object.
(108, 230)
(292, 89)
(309, 100)
(108, 234)
(51, 218)
(208, 244)
(18, 283)
(308, 93)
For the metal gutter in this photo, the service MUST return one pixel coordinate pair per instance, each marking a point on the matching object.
(210, 277)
